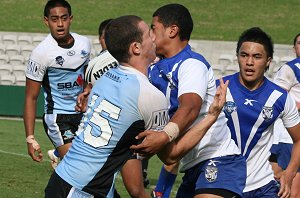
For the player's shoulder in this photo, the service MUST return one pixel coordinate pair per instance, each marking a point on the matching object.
(44, 47)
(273, 86)
(80, 39)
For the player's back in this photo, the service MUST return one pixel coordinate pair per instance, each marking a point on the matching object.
(115, 115)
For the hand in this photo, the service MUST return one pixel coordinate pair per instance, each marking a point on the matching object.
(285, 184)
(152, 143)
(219, 99)
(35, 153)
(82, 99)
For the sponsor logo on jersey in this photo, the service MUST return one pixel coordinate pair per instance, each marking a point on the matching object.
(249, 102)
(112, 76)
(229, 107)
(100, 72)
(33, 68)
(160, 119)
(68, 135)
(84, 54)
(59, 60)
(71, 85)
(71, 53)
(267, 113)
(211, 171)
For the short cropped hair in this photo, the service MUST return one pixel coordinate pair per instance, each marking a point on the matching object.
(256, 35)
(56, 3)
(120, 33)
(176, 14)
(295, 39)
(102, 26)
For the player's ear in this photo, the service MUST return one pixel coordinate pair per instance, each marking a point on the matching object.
(173, 30)
(71, 18)
(46, 21)
(136, 48)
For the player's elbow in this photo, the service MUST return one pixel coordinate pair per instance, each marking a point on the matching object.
(168, 159)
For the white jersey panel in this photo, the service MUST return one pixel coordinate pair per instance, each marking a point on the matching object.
(61, 72)
(287, 79)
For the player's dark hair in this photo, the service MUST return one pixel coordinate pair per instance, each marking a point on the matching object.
(256, 35)
(102, 26)
(120, 33)
(56, 3)
(176, 14)
(295, 39)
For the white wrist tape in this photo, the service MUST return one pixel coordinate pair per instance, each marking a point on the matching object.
(172, 130)
(30, 139)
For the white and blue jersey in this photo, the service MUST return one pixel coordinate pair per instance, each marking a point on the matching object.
(288, 77)
(189, 72)
(61, 72)
(121, 104)
(251, 116)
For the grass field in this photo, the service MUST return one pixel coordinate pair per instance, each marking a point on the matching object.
(213, 19)
(23, 178)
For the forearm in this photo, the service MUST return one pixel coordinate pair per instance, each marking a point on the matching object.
(294, 163)
(175, 150)
(184, 118)
(29, 116)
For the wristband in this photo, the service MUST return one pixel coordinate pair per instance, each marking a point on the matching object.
(30, 139)
(172, 130)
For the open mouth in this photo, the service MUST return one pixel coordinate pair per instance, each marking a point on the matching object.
(60, 31)
(249, 71)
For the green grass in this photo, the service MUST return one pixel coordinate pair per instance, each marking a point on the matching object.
(213, 19)
(23, 178)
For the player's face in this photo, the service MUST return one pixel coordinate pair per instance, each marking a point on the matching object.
(161, 36)
(59, 22)
(297, 47)
(148, 45)
(253, 60)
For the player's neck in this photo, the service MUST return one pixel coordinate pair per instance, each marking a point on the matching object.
(66, 42)
(174, 48)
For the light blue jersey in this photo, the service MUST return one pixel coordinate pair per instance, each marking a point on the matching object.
(122, 104)
(251, 116)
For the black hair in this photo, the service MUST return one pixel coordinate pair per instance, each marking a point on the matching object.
(257, 35)
(176, 14)
(56, 3)
(120, 33)
(102, 26)
(295, 39)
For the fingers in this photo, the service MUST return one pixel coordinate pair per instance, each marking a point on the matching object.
(285, 189)
(222, 90)
(81, 102)
(141, 135)
(36, 155)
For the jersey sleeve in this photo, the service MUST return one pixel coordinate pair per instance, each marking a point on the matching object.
(193, 78)
(285, 77)
(36, 66)
(153, 107)
(290, 116)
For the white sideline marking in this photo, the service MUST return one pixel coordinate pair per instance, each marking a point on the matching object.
(119, 177)
(19, 154)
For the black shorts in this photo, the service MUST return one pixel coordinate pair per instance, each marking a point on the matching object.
(57, 187)
(61, 128)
